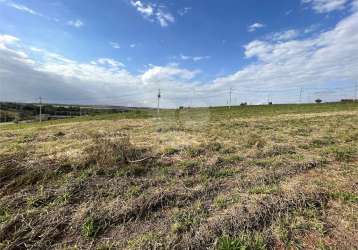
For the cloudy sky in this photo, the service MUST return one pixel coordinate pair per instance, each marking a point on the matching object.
(121, 52)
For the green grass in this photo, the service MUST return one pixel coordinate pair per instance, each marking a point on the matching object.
(212, 113)
(216, 172)
(90, 228)
(346, 196)
(242, 242)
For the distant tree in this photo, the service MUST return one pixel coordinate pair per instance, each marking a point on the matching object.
(243, 104)
(270, 103)
(318, 100)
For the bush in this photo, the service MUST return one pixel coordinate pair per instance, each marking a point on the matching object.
(106, 152)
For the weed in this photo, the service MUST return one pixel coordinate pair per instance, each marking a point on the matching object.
(194, 151)
(279, 149)
(255, 140)
(345, 196)
(145, 241)
(246, 241)
(229, 159)
(265, 189)
(217, 172)
(222, 201)
(4, 215)
(90, 227)
(62, 199)
(171, 151)
(184, 220)
(344, 154)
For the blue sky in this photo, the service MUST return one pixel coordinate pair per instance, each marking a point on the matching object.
(122, 51)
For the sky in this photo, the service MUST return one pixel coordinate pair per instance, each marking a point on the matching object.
(120, 52)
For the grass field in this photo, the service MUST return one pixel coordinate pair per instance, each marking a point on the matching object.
(255, 177)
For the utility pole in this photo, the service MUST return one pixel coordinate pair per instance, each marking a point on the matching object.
(301, 90)
(355, 92)
(158, 110)
(40, 99)
(230, 98)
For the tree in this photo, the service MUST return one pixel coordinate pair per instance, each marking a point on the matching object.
(318, 100)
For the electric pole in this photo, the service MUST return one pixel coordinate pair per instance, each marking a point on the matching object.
(40, 99)
(158, 110)
(301, 90)
(355, 92)
(230, 98)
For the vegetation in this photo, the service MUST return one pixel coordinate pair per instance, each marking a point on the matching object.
(249, 177)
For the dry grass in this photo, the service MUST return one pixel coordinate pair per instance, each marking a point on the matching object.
(191, 180)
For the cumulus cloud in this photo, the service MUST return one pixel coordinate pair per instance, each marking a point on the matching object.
(75, 23)
(255, 26)
(154, 12)
(325, 6)
(100, 81)
(330, 57)
(277, 66)
(170, 73)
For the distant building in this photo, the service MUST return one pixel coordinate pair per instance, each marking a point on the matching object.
(349, 100)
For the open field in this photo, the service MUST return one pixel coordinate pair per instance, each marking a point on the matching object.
(281, 176)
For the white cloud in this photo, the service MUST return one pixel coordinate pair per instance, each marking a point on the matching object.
(327, 58)
(111, 62)
(355, 5)
(184, 11)
(75, 23)
(154, 12)
(8, 39)
(133, 45)
(101, 81)
(164, 18)
(24, 9)
(146, 10)
(114, 45)
(194, 58)
(255, 26)
(325, 6)
(277, 65)
(166, 74)
(285, 35)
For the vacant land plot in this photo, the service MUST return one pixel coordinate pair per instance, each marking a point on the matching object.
(246, 178)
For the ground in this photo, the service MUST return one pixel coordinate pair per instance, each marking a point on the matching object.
(266, 177)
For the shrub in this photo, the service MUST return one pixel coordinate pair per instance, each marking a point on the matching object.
(106, 152)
